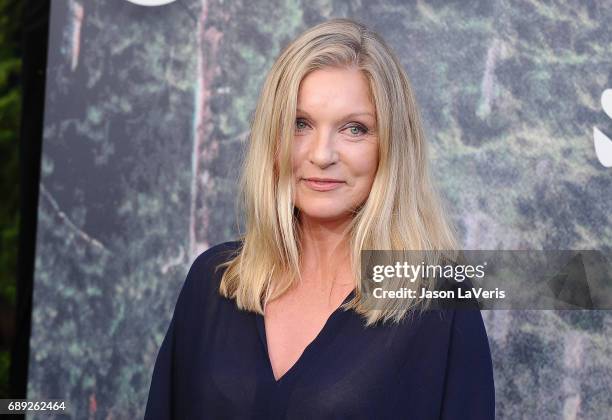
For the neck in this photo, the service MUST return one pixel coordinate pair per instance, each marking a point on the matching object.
(325, 249)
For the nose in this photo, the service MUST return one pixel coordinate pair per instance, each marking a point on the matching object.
(322, 151)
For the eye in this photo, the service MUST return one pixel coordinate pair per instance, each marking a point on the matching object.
(300, 124)
(356, 130)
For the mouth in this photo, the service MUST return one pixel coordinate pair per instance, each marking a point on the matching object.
(322, 184)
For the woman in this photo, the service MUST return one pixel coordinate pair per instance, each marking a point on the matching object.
(278, 325)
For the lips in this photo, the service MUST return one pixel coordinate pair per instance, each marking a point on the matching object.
(322, 184)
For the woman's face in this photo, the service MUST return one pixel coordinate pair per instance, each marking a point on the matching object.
(335, 147)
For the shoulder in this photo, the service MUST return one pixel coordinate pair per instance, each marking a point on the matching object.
(217, 254)
(468, 328)
(459, 330)
(205, 273)
(468, 325)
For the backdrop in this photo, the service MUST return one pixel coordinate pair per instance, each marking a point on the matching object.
(147, 112)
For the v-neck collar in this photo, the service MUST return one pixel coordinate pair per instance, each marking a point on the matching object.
(319, 340)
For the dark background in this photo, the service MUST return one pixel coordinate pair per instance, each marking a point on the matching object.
(10, 111)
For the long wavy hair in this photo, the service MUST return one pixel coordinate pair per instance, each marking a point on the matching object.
(403, 210)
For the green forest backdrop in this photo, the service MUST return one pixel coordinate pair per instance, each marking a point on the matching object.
(147, 112)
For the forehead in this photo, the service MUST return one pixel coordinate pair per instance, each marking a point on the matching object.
(334, 88)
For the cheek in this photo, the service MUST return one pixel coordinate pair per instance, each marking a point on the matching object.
(372, 166)
(296, 158)
(364, 165)
(365, 180)
(296, 155)
(300, 158)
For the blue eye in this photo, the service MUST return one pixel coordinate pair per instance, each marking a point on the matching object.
(357, 130)
(300, 124)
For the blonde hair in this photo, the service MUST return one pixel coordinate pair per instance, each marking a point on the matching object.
(402, 212)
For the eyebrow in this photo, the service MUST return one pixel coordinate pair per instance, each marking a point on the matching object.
(351, 115)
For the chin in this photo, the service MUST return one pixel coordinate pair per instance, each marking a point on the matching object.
(325, 213)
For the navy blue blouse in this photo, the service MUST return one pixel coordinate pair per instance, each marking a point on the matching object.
(213, 363)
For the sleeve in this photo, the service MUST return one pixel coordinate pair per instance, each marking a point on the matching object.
(469, 391)
(159, 403)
